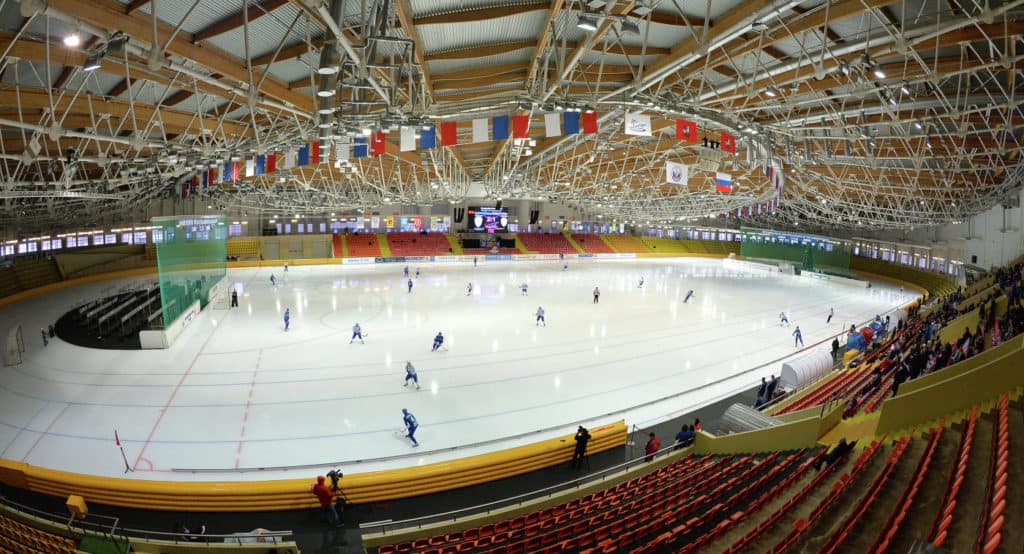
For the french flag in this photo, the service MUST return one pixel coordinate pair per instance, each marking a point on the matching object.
(723, 182)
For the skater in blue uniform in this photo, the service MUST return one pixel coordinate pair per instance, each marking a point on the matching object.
(641, 282)
(689, 295)
(474, 261)
(524, 289)
(438, 341)
(565, 266)
(406, 271)
(410, 285)
(273, 281)
(798, 339)
(417, 273)
(287, 318)
(783, 320)
(410, 425)
(410, 374)
(540, 316)
(357, 333)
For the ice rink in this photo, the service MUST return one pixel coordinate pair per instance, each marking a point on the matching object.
(237, 392)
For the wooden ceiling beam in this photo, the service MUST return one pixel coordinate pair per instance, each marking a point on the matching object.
(480, 51)
(288, 52)
(236, 20)
(482, 81)
(134, 5)
(481, 14)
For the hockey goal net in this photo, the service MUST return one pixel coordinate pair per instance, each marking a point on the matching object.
(220, 295)
(14, 345)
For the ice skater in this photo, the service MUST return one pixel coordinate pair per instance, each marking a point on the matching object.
(438, 341)
(469, 289)
(524, 288)
(286, 267)
(540, 316)
(783, 320)
(46, 338)
(689, 295)
(641, 285)
(406, 271)
(273, 281)
(798, 338)
(287, 318)
(410, 285)
(565, 266)
(410, 425)
(597, 295)
(417, 273)
(474, 261)
(234, 298)
(410, 373)
(831, 312)
(357, 333)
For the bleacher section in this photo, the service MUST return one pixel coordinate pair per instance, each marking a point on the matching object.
(112, 321)
(23, 539)
(546, 243)
(36, 273)
(418, 244)
(338, 246)
(244, 248)
(626, 243)
(934, 283)
(363, 245)
(592, 244)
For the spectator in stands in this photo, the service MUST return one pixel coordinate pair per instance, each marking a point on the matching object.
(899, 377)
(835, 349)
(325, 495)
(841, 449)
(684, 437)
(582, 438)
(761, 392)
(696, 424)
(771, 389)
(653, 445)
(46, 341)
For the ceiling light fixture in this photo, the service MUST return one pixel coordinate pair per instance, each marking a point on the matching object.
(92, 62)
(367, 131)
(72, 40)
(771, 91)
(327, 70)
(326, 93)
(904, 88)
(587, 22)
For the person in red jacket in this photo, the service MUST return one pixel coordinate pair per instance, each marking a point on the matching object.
(653, 445)
(325, 495)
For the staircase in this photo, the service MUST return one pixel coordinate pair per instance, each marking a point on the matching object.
(608, 243)
(521, 247)
(572, 241)
(340, 249)
(453, 241)
(382, 241)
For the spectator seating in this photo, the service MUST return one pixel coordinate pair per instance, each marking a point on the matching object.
(24, 539)
(592, 243)
(936, 284)
(363, 245)
(544, 243)
(418, 244)
(626, 243)
(338, 245)
(483, 251)
(244, 248)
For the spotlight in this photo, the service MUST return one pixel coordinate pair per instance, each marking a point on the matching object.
(904, 88)
(326, 93)
(844, 67)
(630, 27)
(918, 125)
(327, 70)
(879, 74)
(585, 21)
(72, 40)
(92, 62)
(771, 91)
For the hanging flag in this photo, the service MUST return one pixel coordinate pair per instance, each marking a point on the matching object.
(360, 148)
(428, 139)
(521, 126)
(499, 128)
(211, 177)
(407, 139)
(377, 144)
(728, 143)
(314, 153)
(195, 184)
(271, 162)
(676, 173)
(204, 176)
(236, 170)
(590, 122)
(289, 159)
(342, 148)
(184, 189)
(638, 124)
(449, 133)
(572, 123)
(303, 156)
(723, 182)
(686, 130)
(250, 167)
(552, 125)
(480, 130)
(261, 164)
(226, 175)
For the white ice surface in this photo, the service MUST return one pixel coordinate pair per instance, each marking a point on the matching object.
(237, 391)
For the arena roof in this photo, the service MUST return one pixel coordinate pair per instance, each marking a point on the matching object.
(879, 113)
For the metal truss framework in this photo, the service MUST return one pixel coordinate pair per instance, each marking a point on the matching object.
(885, 114)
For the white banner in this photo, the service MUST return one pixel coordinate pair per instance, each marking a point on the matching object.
(480, 130)
(407, 140)
(552, 125)
(676, 173)
(638, 124)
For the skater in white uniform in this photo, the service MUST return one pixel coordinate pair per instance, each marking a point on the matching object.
(357, 333)
(524, 289)
(469, 289)
(540, 316)
(641, 285)
(410, 374)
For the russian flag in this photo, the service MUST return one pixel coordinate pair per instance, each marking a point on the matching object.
(723, 182)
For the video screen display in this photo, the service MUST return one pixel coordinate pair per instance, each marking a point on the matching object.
(488, 220)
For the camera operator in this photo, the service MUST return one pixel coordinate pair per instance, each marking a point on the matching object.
(325, 495)
(582, 438)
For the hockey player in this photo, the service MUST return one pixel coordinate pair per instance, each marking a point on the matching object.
(357, 333)
(438, 341)
(410, 285)
(287, 318)
(406, 271)
(417, 273)
(565, 266)
(469, 289)
(798, 339)
(597, 295)
(689, 295)
(474, 261)
(410, 373)
(273, 281)
(831, 312)
(286, 267)
(410, 425)
(540, 316)
(524, 288)
(641, 282)
(783, 320)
